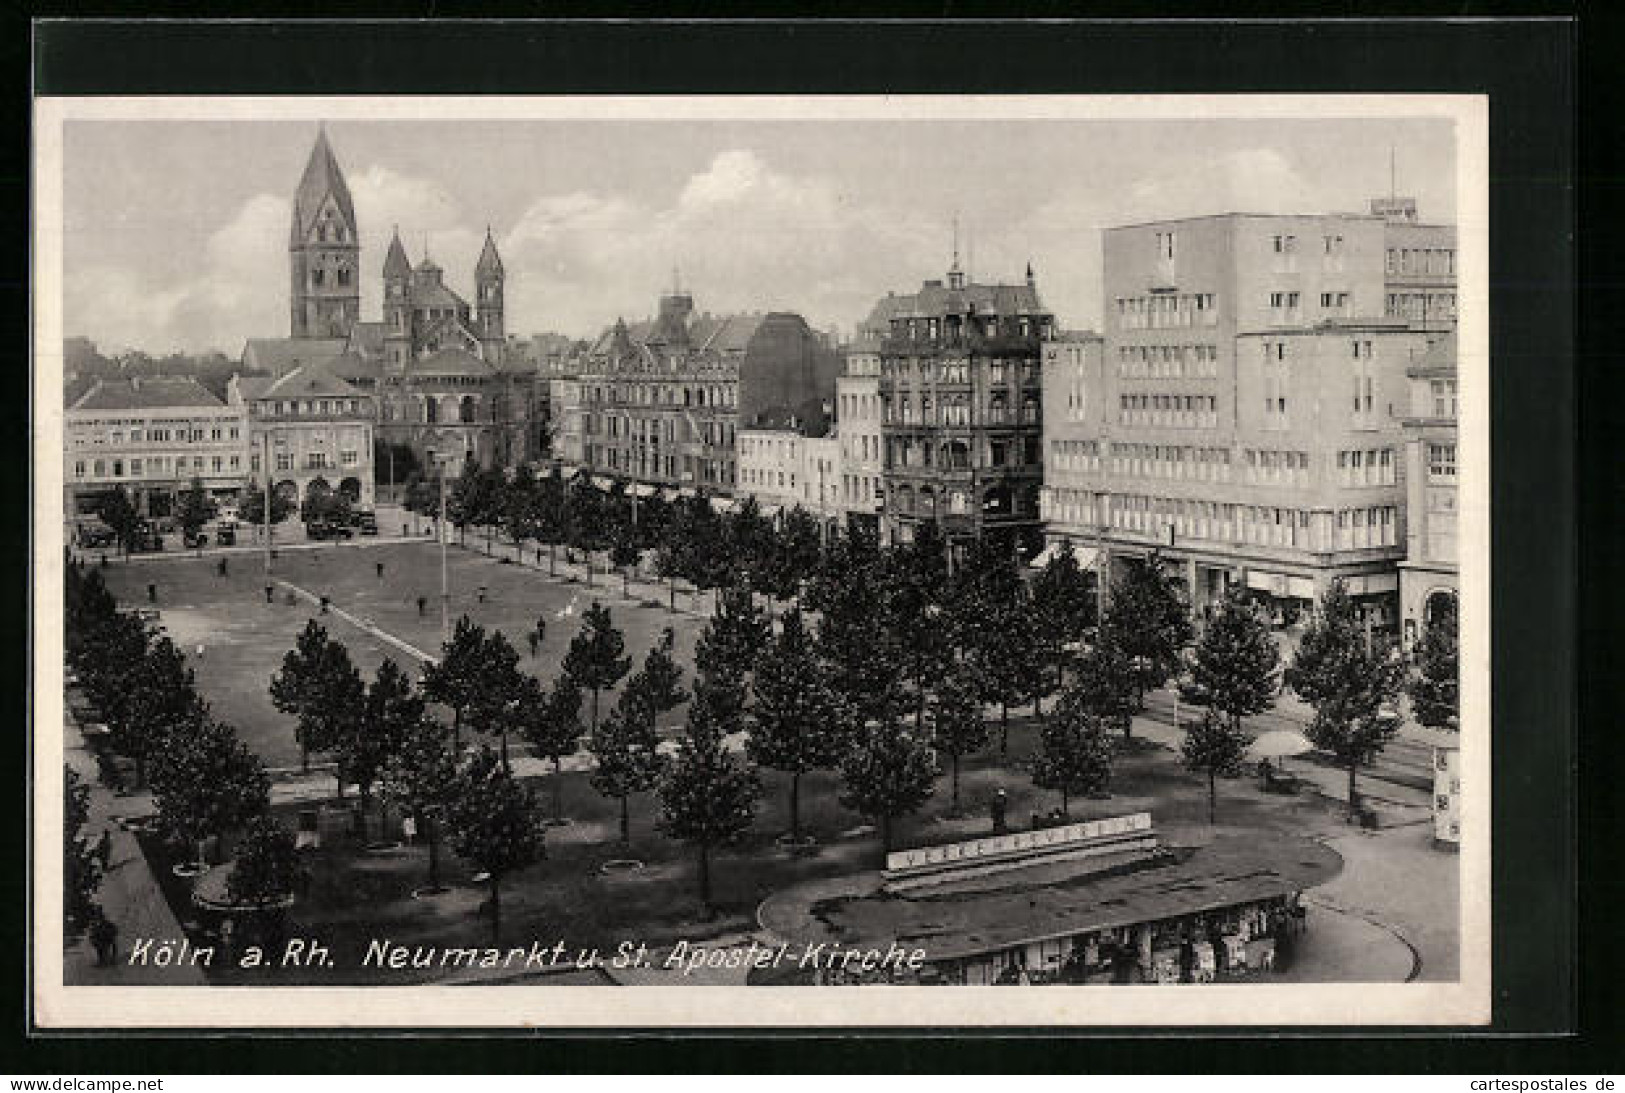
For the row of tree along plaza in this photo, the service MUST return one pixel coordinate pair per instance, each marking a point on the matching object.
(843, 701)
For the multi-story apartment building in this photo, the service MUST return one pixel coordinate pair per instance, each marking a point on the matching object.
(787, 467)
(152, 436)
(311, 431)
(1419, 265)
(568, 446)
(662, 401)
(1243, 420)
(858, 427)
(1429, 570)
(960, 393)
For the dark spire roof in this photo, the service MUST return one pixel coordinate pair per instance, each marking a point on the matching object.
(322, 179)
(396, 264)
(490, 263)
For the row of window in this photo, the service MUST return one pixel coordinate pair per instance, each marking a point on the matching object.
(662, 394)
(1165, 311)
(1258, 525)
(860, 489)
(1441, 463)
(1171, 461)
(854, 407)
(1422, 306)
(955, 455)
(1432, 261)
(1169, 411)
(956, 411)
(993, 370)
(860, 447)
(157, 466)
(986, 326)
(157, 435)
(1168, 361)
(1359, 529)
(1366, 468)
(304, 407)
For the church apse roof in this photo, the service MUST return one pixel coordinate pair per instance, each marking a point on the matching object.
(146, 393)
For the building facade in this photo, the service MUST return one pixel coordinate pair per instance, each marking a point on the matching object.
(309, 432)
(961, 394)
(1429, 571)
(151, 436)
(662, 401)
(1243, 419)
(858, 427)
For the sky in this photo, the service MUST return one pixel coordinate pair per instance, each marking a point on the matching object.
(176, 231)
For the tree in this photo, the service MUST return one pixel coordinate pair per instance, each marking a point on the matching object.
(518, 505)
(1062, 609)
(144, 690)
(251, 508)
(81, 867)
(209, 783)
(551, 723)
(706, 796)
(887, 775)
(495, 824)
(1351, 679)
(1436, 690)
(865, 668)
(1075, 756)
(1237, 664)
(1106, 685)
(196, 508)
(267, 867)
(421, 778)
(1214, 746)
(628, 760)
(624, 554)
(455, 679)
(392, 709)
(117, 511)
(659, 682)
(734, 637)
(800, 724)
(957, 726)
(594, 659)
(990, 611)
(498, 690)
(1151, 625)
(322, 689)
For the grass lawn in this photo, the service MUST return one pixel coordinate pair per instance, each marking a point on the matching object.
(243, 639)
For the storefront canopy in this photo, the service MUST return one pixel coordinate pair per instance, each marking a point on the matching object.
(1086, 555)
(641, 489)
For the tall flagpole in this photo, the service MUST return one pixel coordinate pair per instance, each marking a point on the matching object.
(266, 457)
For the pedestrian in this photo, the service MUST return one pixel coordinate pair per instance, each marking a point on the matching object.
(482, 593)
(379, 566)
(423, 603)
(222, 567)
(324, 605)
(270, 593)
(104, 936)
(152, 592)
(200, 652)
(534, 644)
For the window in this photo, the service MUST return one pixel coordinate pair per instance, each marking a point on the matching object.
(79, 468)
(1444, 398)
(284, 461)
(1441, 462)
(218, 463)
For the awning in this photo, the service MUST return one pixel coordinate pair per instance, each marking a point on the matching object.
(724, 504)
(686, 492)
(1370, 584)
(1086, 555)
(1281, 585)
(641, 489)
(771, 510)
(601, 482)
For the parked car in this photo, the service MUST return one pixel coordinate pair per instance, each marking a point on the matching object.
(225, 533)
(228, 514)
(195, 540)
(366, 523)
(147, 539)
(323, 529)
(97, 535)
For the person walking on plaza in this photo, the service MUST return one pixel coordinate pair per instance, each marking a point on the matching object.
(221, 568)
(152, 592)
(423, 604)
(104, 936)
(379, 566)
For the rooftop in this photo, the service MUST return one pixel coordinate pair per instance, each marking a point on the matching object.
(146, 393)
(309, 380)
(1050, 899)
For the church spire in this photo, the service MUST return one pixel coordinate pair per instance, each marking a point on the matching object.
(396, 264)
(490, 263)
(323, 181)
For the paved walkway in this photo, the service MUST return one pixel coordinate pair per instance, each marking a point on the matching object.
(129, 893)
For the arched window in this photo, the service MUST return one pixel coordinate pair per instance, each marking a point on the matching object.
(431, 411)
(467, 410)
(996, 409)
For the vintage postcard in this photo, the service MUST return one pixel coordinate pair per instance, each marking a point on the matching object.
(801, 563)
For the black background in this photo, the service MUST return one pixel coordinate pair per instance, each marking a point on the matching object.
(1528, 68)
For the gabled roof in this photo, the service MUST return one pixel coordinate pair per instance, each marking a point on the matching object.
(888, 307)
(437, 295)
(935, 298)
(366, 340)
(721, 334)
(249, 388)
(146, 393)
(309, 381)
(281, 354)
(322, 179)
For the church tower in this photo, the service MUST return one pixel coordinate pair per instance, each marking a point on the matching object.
(324, 250)
(397, 307)
(488, 299)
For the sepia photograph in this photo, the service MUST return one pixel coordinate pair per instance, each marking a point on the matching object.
(929, 561)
